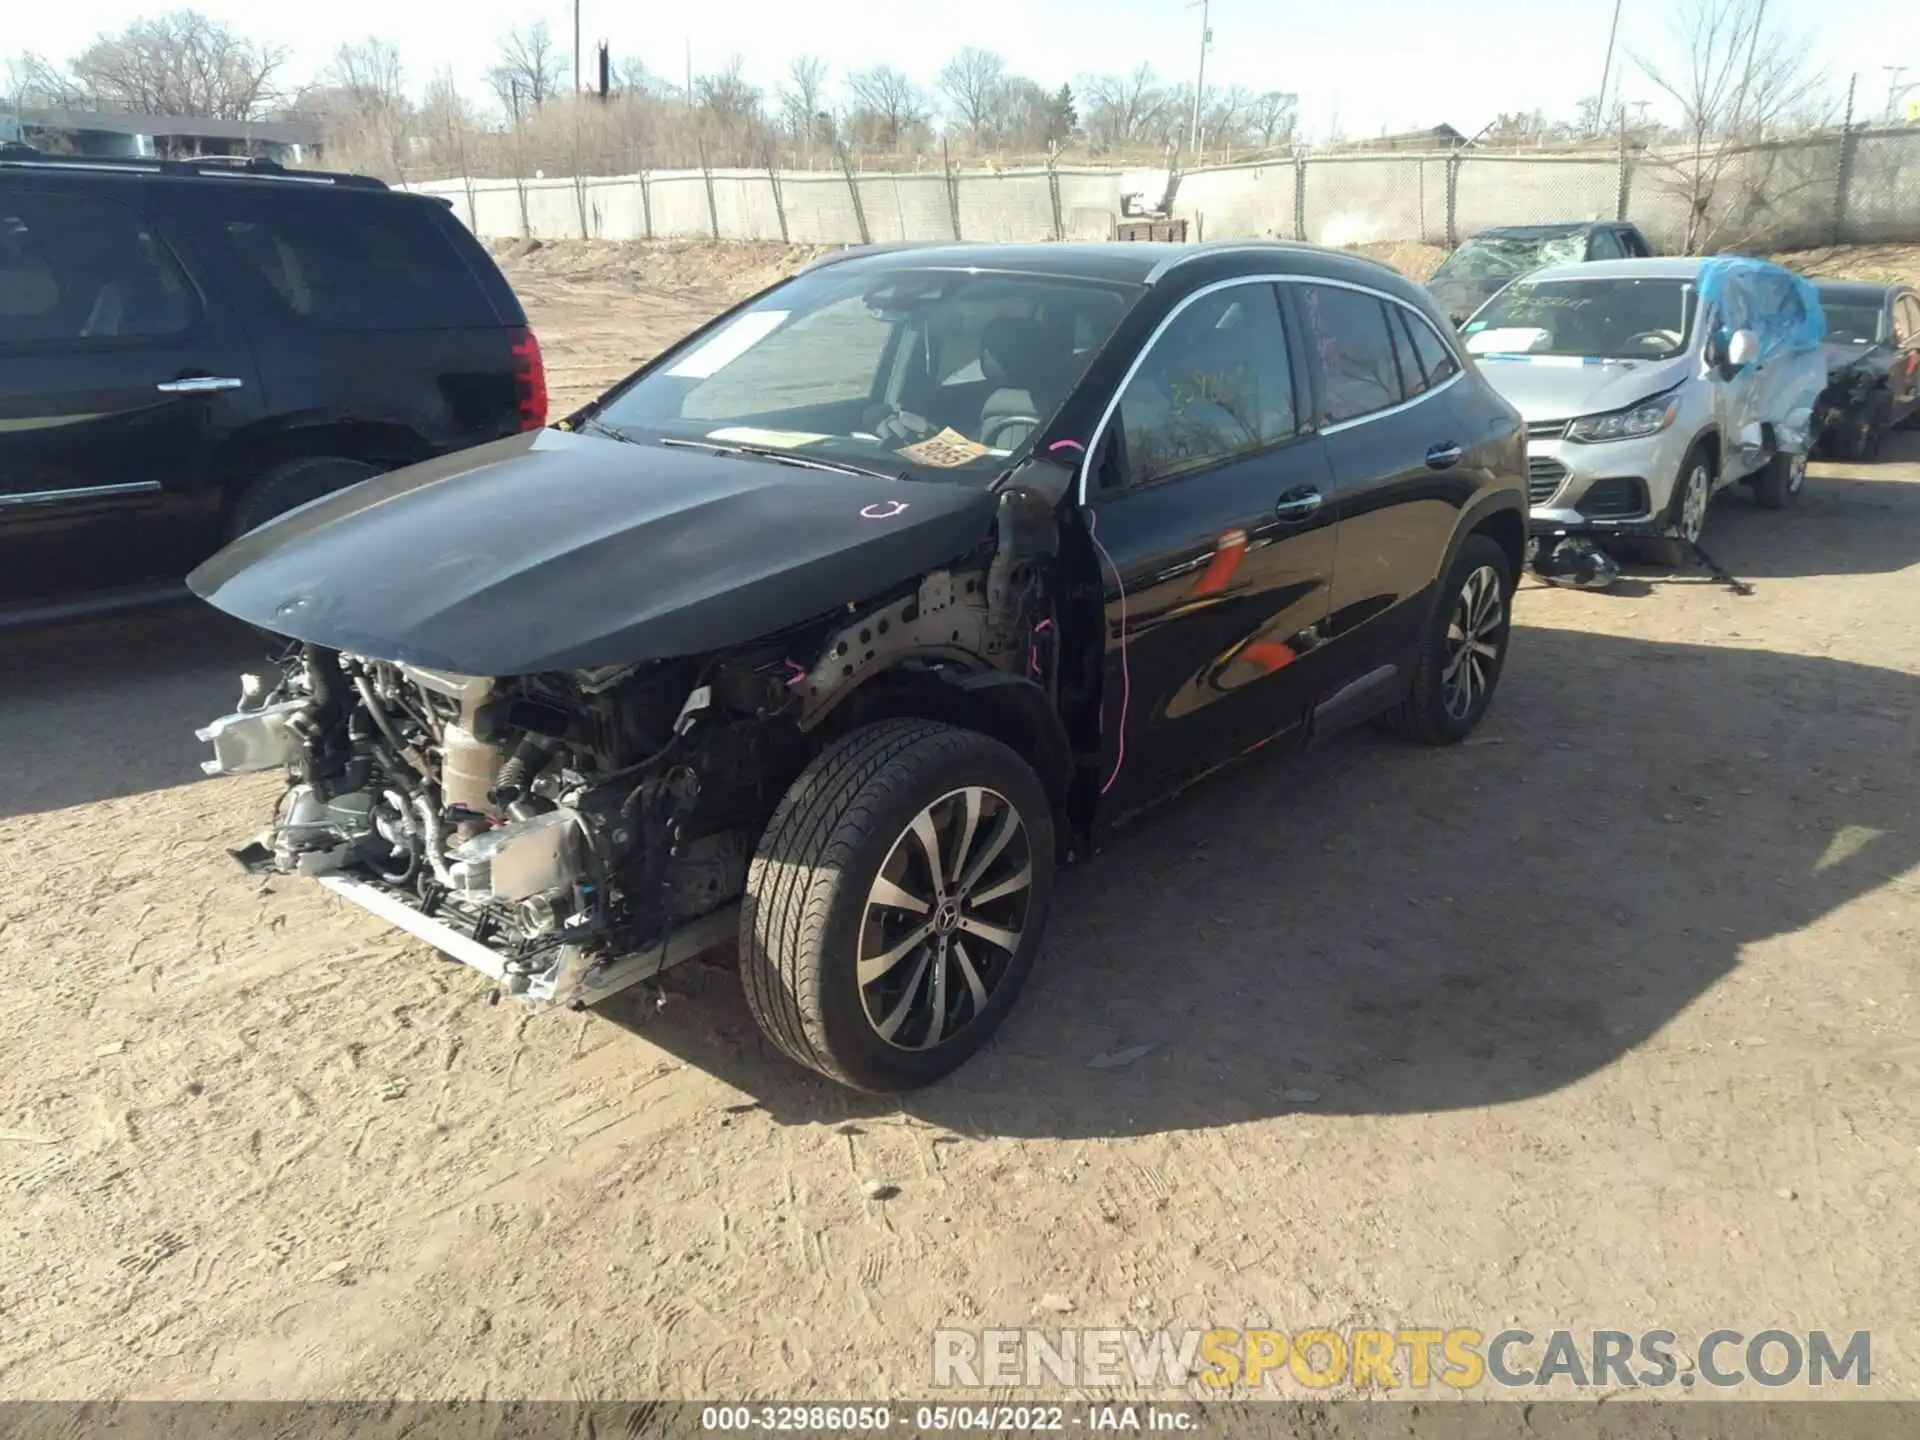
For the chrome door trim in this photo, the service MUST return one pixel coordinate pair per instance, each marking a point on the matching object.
(199, 384)
(80, 492)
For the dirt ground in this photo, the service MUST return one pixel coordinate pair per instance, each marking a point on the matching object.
(1604, 1019)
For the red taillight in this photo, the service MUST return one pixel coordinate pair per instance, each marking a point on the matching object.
(530, 377)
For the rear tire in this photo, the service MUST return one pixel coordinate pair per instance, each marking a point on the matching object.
(1464, 650)
(867, 957)
(1780, 483)
(291, 485)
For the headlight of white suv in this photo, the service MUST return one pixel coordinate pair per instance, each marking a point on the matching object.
(1647, 418)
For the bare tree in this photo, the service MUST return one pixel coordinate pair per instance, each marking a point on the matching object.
(1122, 109)
(360, 100)
(1274, 115)
(891, 101)
(369, 71)
(176, 64)
(527, 74)
(30, 79)
(1739, 77)
(973, 82)
(803, 99)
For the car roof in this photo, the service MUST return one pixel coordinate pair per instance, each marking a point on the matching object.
(101, 169)
(1556, 231)
(1870, 292)
(1662, 267)
(1125, 262)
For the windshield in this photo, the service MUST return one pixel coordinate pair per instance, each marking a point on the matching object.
(908, 370)
(1851, 324)
(1491, 257)
(1593, 319)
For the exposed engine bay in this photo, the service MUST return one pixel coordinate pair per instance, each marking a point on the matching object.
(572, 834)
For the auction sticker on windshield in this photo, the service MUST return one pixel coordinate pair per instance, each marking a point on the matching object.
(728, 345)
(779, 439)
(948, 449)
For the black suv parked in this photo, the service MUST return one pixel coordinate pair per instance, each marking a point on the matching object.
(188, 349)
(867, 604)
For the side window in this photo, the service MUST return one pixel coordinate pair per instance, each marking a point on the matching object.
(78, 268)
(349, 262)
(1347, 330)
(1605, 246)
(1635, 247)
(1435, 358)
(1215, 384)
(1413, 374)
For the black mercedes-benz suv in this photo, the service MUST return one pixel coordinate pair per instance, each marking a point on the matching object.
(840, 625)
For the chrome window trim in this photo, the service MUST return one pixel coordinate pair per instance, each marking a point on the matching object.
(79, 492)
(1120, 390)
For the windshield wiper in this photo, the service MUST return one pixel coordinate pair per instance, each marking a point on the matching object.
(600, 427)
(783, 457)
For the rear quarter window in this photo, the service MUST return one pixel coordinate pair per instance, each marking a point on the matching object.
(349, 262)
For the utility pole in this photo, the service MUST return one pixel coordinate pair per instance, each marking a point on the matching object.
(689, 72)
(1606, 70)
(1199, 80)
(576, 47)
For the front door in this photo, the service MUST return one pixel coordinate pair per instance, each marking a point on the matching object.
(114, 390)
(1206, 498)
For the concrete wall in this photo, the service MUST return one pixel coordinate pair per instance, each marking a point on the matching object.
(1859, 188)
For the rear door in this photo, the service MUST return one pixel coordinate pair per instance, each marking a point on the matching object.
(1395, 448)
(364, 311)
(1207, 500)
(119, 376)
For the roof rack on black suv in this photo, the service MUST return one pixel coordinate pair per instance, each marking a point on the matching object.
(27, 157)
(196, 346)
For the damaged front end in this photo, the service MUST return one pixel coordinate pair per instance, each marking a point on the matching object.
(572, 834)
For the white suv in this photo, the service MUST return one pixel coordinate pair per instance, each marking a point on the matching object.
(1650, 385)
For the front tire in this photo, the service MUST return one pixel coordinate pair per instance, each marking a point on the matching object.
(896, 903)
(1686, 511)
(1464, 650)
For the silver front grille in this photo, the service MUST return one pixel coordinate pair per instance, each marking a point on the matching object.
(1544, 478)
(1546, 429)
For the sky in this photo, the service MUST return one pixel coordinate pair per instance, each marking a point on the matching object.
(1361, 66)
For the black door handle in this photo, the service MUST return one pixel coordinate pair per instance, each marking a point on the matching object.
(1442, 457)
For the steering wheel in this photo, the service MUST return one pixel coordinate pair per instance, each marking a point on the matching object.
(1654, 340)
(991, 434)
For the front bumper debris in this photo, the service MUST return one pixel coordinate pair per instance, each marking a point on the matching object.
(574, 980)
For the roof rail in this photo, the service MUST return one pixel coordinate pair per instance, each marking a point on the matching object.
(216, 166)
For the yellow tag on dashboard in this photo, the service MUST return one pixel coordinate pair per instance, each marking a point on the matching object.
(946, 450)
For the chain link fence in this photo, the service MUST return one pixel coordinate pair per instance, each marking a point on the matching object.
(1857, 186)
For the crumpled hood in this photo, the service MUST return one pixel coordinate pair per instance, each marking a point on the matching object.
(551, 551)
(1553, 388)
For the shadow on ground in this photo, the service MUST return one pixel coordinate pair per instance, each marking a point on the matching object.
(108, 707)
(1387, 929)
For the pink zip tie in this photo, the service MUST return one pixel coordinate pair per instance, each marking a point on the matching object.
(1126, 678)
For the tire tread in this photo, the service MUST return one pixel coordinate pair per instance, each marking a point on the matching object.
(792, 881)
